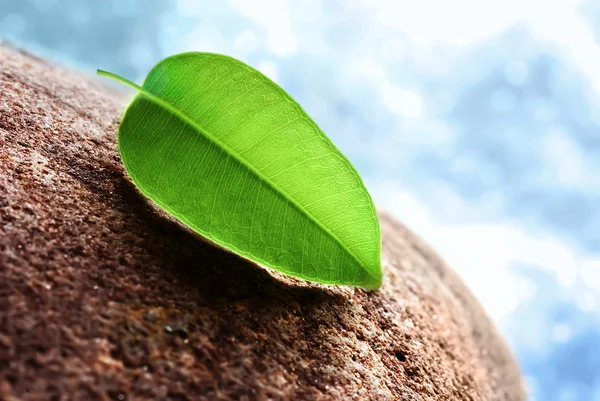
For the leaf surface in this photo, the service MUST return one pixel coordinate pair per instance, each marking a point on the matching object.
(230, 154)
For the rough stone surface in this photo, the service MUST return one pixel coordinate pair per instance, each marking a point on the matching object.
(102, 296)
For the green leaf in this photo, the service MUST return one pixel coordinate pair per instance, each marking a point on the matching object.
(230, 154)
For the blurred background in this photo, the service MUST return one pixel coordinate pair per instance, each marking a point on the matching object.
(475, 122)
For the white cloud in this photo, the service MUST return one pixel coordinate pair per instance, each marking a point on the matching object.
(406, 102)
(483, 253)
(564, 160)
(430, 23)
(269, 68)
(274, 17)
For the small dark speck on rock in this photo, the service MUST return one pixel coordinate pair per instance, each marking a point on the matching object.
(400, 356)
(177, 331)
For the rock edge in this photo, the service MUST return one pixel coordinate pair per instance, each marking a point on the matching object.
(105, 297)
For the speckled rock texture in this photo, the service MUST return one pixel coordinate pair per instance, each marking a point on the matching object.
(103, 297)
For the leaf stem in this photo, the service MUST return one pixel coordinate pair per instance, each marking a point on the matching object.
(120, 79)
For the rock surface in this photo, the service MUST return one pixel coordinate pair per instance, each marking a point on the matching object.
(102, 296)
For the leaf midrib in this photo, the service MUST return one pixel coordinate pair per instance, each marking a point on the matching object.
(233, 154)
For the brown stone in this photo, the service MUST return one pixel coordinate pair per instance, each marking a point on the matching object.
(102, 296)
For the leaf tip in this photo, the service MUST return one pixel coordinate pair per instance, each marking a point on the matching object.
(374, 281)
